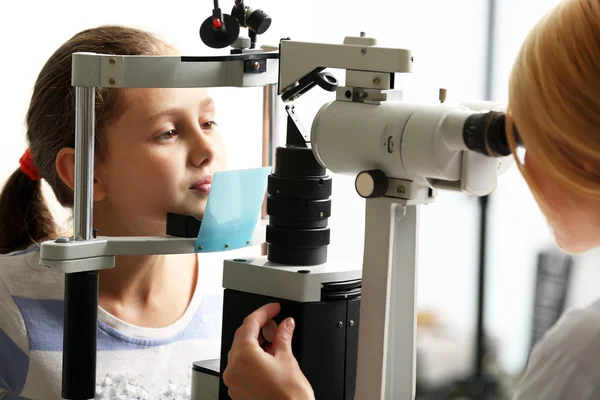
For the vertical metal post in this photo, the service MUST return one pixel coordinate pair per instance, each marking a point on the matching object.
(387, 331)
(81, 288)
(270, 124)
(85, 118)
(269, 137)
(402, 328)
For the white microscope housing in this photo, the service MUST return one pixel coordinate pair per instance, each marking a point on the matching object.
(356, 324)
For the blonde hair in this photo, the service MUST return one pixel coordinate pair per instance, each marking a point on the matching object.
(554, 98)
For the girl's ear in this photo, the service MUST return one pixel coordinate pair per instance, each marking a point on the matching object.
(65, 167)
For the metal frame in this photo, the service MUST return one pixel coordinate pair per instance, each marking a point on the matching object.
(356, 54)
(244, 70)
(82, 256)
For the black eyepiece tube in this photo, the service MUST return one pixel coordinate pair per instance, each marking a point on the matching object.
(485, 133)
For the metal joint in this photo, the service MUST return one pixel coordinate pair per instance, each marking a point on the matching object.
(255, 66)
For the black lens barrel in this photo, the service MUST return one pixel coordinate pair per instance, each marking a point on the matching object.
(298, 205)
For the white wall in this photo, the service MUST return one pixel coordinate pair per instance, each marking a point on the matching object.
(448, 38)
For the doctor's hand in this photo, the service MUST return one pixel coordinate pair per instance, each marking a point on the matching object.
(254, 373)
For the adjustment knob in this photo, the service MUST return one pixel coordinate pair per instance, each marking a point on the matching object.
(242, 43)
(371, 184)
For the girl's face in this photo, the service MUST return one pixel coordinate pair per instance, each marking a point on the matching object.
(161, 155)
(575, 221)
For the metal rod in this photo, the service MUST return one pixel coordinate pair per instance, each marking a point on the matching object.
(270, 130)
(84, 162)
(270, 124)
(81, 288)
(489, 57)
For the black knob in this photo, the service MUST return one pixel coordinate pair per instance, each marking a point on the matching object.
(219, 34)
(371, 184)
(258, 21)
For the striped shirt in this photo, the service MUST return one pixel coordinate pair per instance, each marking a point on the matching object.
(132, 361)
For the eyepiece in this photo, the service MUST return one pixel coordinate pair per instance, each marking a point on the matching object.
(485, 133)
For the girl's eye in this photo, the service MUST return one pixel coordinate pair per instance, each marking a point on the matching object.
(208, 126)
(168, 135)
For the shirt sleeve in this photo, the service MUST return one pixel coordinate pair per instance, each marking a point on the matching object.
(555, 377)
(563, 364)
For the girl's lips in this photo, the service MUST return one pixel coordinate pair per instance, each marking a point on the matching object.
(203, 185)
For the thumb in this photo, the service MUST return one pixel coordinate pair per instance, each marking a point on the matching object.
(282, 341)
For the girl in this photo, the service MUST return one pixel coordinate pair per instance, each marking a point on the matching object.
(156, 152)
(554, 103)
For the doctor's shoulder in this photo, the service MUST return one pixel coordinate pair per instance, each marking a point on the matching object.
(564, 364)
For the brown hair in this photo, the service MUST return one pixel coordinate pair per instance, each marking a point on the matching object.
(24, 216)
(554, 102)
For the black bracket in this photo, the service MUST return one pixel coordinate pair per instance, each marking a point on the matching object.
(318, 77)
(184, 226)
(256, 66)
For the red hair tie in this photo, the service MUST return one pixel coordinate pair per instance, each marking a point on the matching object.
(27, 166)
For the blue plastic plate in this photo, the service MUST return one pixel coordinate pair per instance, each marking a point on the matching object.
(232, 210)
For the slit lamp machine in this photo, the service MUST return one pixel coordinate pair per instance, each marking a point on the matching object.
(355, 324)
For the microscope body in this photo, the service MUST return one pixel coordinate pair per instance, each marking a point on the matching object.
(356, 325)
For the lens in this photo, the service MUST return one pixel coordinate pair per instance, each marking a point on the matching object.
(298, 206)
(485, 133)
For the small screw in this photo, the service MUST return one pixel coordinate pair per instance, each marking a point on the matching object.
(200, 248)
(321, 214)
(112, 60)
(340, 324)
(401, 190)
(362, 95)
(376, 81)
(112, 81)
(363, 51)
(442, 95)
(351, 322)
(412, 59)
(226, 245)
(256, 65)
